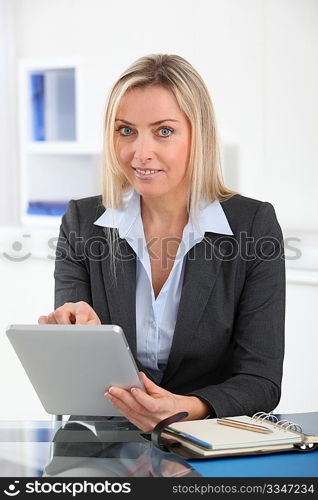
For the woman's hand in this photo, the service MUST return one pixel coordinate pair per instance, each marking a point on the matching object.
(146, 409)
(79, 313)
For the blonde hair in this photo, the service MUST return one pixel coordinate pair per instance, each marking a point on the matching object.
(178, 76)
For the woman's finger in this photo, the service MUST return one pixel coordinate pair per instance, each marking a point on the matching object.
(42, 320)
(85, 314)
(143, 422)
(65, 314)
(125, 410)
(150, 386)
(70, 313)
(146, 401)
(83, 319)
(126, 398)
(51, 319)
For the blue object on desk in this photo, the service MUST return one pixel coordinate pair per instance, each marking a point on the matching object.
(286, 464)
(294, 464)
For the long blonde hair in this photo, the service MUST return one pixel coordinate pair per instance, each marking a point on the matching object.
(178, 76)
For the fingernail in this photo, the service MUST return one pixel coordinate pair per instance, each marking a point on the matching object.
(133, 389)
(111, 390)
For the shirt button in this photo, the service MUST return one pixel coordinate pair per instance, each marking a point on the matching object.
(154, 324)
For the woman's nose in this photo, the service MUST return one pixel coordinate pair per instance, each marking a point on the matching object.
(137, 162)
(143, 151)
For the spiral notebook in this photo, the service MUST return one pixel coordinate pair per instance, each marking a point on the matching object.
(219, 437)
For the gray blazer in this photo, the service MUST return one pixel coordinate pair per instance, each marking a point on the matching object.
(228, 343)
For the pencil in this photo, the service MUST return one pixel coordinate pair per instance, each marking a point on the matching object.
(244, 425)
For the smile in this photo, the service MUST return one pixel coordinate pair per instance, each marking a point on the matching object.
(146, 172)
(142, 174)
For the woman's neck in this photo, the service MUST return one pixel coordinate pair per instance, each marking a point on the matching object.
(164, 212)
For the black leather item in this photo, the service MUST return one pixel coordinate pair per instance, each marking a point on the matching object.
(155, 435)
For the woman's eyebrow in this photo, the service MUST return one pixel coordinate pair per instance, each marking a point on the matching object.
(151, 124)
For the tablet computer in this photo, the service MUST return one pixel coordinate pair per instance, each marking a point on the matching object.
(71, 366)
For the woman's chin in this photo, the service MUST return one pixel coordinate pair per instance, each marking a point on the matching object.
(150, 191)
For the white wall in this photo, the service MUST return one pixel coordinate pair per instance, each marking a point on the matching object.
(291, 111)
(299, 387)
(258, 58)
(9, 176)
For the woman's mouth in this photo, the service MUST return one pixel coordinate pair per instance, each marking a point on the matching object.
(146, 174)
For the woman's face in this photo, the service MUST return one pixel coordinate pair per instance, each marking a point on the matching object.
(152, 141)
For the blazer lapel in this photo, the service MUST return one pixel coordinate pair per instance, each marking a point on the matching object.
(121, 294)
(202, 266)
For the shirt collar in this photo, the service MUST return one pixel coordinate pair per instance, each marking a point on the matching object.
(211, 216)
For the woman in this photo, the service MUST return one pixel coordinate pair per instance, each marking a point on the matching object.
(194, 273)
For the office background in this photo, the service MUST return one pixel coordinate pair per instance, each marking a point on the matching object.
(259, 61)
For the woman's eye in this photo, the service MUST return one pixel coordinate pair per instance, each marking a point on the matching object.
(167, 130)
(124, 128)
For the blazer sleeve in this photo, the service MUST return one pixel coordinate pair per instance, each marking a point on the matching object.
(259, 327)
(72, 281)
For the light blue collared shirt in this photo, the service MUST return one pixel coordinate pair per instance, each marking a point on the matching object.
(156, 317)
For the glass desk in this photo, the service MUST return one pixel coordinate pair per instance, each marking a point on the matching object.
(106, 448)
(116, 448)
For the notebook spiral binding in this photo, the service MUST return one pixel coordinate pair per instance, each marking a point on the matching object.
(282, 424)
